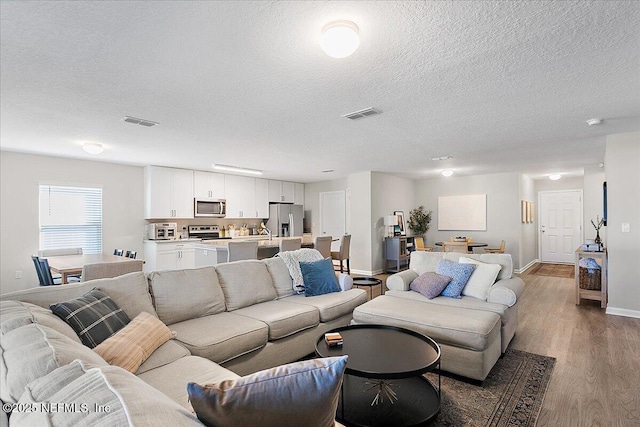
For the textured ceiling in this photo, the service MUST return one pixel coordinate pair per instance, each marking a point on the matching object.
(500, 86)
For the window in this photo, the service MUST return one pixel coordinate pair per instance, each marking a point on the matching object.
(71, 217)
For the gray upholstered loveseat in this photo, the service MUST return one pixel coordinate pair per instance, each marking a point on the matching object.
(471, 332)
(231, 320)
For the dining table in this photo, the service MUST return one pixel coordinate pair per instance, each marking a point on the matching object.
(71, 265)
(470, 245)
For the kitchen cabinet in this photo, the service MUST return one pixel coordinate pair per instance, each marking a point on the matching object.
(168, 255)
(281, 191)
(298, 198)
(261, 199)
(168, 193)
(208, 185)
(240, 193)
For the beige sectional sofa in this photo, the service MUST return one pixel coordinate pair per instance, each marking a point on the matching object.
(471, 332)
(230, 320)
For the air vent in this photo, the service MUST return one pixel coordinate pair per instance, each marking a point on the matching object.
(141, 122)
(362, 114)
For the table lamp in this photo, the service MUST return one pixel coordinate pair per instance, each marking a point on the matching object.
(390, 221)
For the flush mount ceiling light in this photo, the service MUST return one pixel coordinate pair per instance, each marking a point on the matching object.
(92, 147)
(237, 169)
(447, 172)
(594, 122)
(435, 159)
(340, 39)
(555, 176)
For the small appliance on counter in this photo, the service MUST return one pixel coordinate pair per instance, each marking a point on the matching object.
(162, 231)
(205, 232)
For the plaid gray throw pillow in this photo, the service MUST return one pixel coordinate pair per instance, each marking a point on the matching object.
(94, 316)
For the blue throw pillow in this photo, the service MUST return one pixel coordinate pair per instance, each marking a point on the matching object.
(460, 274)
(319, 277)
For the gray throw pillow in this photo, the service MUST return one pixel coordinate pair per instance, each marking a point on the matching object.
(298, 394)
(430, 284)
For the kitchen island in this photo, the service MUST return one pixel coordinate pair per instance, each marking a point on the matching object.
(213, 252)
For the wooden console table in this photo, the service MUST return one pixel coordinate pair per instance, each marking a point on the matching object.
(598, 295)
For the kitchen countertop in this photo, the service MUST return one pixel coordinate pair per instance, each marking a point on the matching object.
(263, 242)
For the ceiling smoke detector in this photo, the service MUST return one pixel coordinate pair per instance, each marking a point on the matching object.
(594, 122)
(361, 114)
(141, 122)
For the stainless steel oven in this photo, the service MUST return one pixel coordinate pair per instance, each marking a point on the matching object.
(212, 208)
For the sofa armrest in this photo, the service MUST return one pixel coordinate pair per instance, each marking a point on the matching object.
(345, 281)
(401, 281)
(506, 291)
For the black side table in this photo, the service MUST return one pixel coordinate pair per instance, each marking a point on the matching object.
(370, 282)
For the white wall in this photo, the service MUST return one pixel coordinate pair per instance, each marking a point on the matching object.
(312, 201)
(503, 208)
(528, 231)
(622, 163)
(359, 186)
(20, 175)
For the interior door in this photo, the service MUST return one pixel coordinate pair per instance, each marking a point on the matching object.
(560, 225)
(332, 216)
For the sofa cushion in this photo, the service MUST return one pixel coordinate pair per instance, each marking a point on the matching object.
(130, 402)
(459, 327)
(334, 305)
(280, 275)
(430, 284)
(134, 343)
(130, 292)
(33, 351)
(482, 278)
(299, 394)
(245, 283)
(172, 379)
(459, 273)
(167, 353)
(283, 318)
(319, 277)
(423, 261)
(94, 316)
(14, 314)
(174, 304)
(221, 337)
(505, 261)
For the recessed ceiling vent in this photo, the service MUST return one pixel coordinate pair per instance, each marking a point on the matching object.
(141, 122)
(362, 114)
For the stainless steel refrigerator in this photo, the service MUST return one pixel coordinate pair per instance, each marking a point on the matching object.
(285, 220)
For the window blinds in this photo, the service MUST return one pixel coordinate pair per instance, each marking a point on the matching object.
(71, 217)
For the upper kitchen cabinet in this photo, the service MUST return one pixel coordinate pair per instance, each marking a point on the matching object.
(281, 191)
(298, 198)
(240, 193)
(208, 185)
(168, 193)
(261, 199)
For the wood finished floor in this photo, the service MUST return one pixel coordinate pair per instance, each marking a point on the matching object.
(596, 380)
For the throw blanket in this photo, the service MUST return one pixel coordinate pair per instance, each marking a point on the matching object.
(590, 264)
(292, 260)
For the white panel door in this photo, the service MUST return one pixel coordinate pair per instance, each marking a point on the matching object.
(560, 225)
(332, 216)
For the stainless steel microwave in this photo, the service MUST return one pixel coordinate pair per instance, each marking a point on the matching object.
(212, 208)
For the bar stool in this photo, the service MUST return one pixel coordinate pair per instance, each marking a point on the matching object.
(323, 245)
(343, 253)
(242, 250)
(290, 244)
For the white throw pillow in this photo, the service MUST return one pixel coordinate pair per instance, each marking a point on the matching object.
(483, 277)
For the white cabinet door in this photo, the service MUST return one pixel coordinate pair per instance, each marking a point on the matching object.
(299, 194)
(240, 193)
(157, 188)
(288, 192)
(186, 258)
(275, 191)
(261, 200)
(167, 260)
(208, 185)
(182, 193)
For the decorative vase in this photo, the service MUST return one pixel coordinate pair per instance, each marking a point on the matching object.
(598, 240)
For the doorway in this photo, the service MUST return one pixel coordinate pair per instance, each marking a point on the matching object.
(332, 216)
(560, 214)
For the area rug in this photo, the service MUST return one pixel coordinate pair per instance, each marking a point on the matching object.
(511, 395)
(566, 271)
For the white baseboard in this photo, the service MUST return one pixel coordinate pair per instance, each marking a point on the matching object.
(365, 272)
(623, 312)
(526, 267)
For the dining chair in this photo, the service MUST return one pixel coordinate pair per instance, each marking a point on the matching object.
(59, 252)
(292, 244)
(103, 270)
(43, 271)
(242, 250)
(323, 245)
(498, 250)
(419, 245)
(343, 253)
(118, 252)
(131, 254)
(455, 247)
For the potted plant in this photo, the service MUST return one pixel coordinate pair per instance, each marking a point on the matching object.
(419, 220)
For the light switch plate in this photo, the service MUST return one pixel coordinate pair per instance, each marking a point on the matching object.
(626, 227)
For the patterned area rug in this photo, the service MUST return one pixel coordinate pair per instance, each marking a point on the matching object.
(565, 271)
(511, 395)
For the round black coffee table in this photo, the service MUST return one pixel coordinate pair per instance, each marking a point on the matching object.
(383, 383)
(370, 282)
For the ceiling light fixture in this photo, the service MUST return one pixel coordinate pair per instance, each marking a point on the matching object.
(435, 159)
(237, 169)
(594, 122)
(447, 172)
(555, 176)
(340, 39)
(92, 147)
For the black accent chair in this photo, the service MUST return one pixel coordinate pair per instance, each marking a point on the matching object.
(44, 273)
